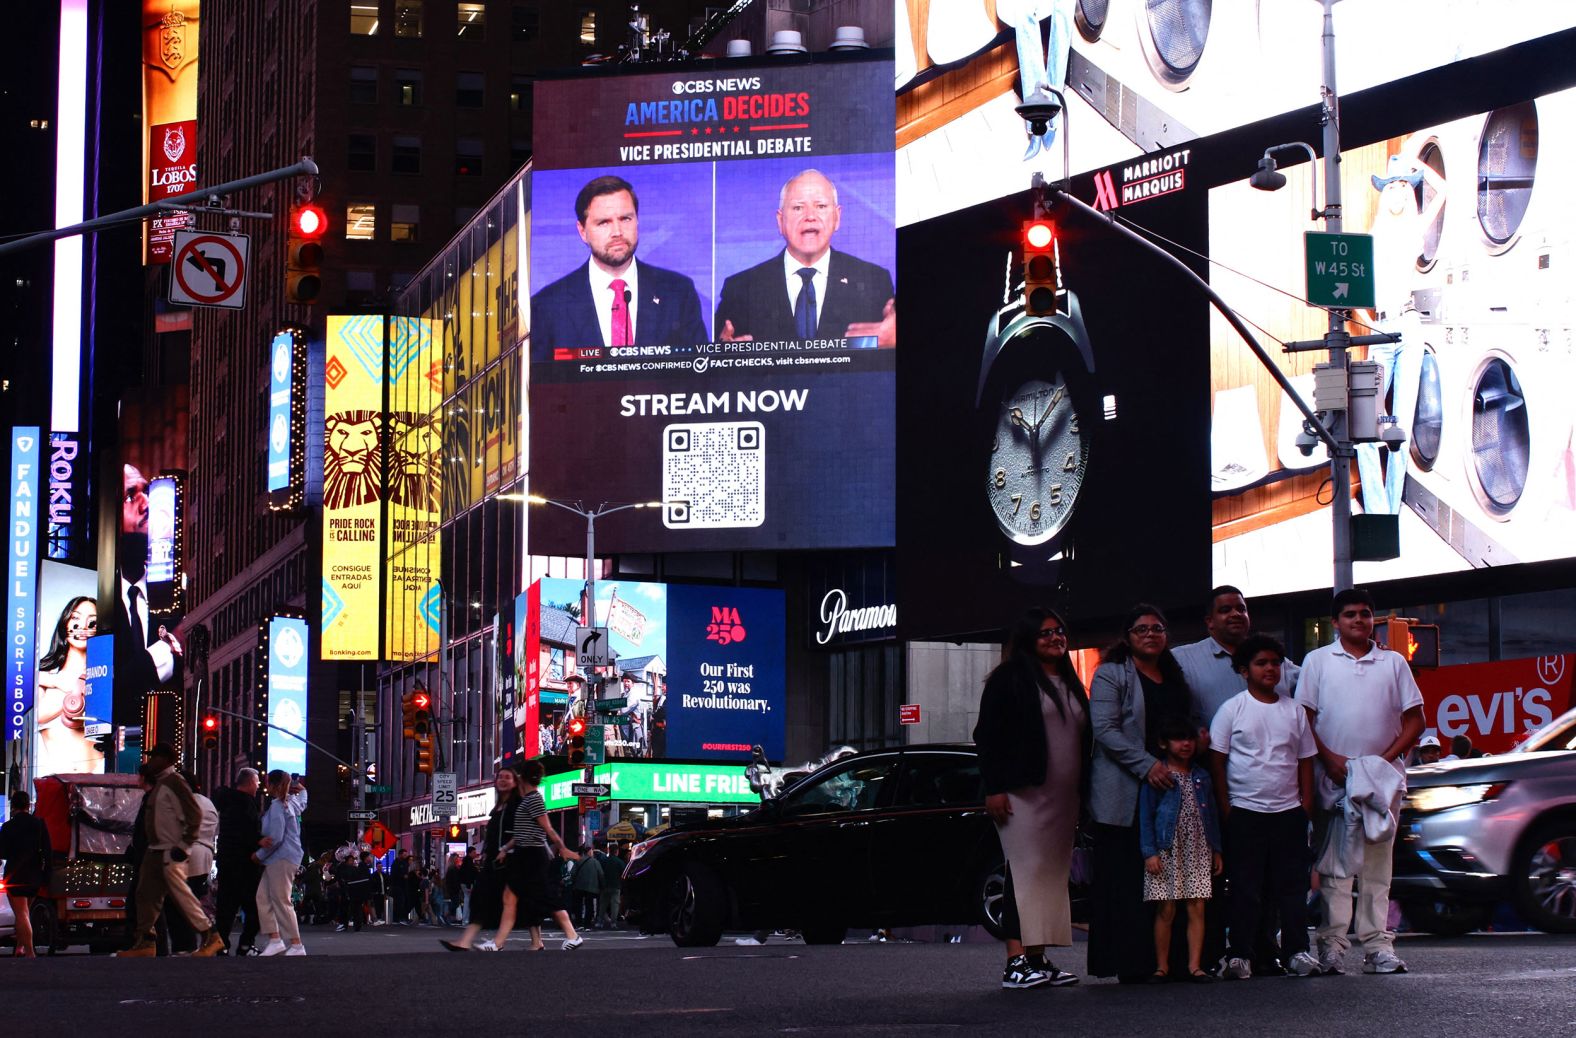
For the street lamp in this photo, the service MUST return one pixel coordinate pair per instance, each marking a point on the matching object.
(590, 515)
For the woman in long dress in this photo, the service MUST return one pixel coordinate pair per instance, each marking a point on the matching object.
(1033, 738)
(63, 745)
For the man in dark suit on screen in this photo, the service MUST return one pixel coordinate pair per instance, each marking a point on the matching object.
(809, 290)
(146, 654)
(613, 300)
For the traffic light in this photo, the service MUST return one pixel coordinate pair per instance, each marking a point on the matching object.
(210, 731)
(408, 713)
(1419, 643)
(454, 831)
(1039, 267)
(421, 712)
(304, 254)
(577, 741)
(424, 754)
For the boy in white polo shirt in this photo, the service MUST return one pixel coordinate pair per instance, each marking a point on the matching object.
(1364, 702)
(1261, 753)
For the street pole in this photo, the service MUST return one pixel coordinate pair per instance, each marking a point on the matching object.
(591, 691)
(1336, 338)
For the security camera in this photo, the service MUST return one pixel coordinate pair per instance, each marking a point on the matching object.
(1392, 435)
(1306, 441)
(1038, 109)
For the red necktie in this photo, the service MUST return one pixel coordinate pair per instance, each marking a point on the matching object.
(621, 333)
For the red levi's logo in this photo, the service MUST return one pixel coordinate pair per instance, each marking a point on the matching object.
(726, 626)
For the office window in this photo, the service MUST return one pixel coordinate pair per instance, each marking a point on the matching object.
(407, 86)
(407, 155)
(404, 222)
(363, 17)
(363, 85)
(468, 89)
(361, 152)
(361, 221)
(407, 18)
(519, 93)
(468, 157)
(588, 25)
(524, 23)
(472, 20)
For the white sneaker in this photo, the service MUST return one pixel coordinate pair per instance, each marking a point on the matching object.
(1236, 969)
(747, 942)
(296, 949)
(487, 946)
(275, 947)
(1385, 961)
(572, 945)
(1303, 965)
(1332, 961)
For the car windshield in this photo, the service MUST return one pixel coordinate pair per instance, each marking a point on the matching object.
(854, 786)
(1558, 734)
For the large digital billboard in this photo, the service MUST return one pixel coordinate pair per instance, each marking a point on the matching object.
(713, 310)
(22, 585)
(286, 708)
(698, 670)
(66, 711)
(1472, 228)
(415, 490)
(169, 111)
(353, 452)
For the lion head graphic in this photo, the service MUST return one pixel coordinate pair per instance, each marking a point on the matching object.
(415, 446)
(352, 458)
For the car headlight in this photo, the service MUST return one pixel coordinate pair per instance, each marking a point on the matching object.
(1442, 798)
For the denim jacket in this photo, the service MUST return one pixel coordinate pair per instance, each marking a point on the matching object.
(1158, 811)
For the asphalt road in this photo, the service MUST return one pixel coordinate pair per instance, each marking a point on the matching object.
(1523, 984)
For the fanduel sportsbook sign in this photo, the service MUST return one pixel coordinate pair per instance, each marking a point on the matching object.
(22, 583)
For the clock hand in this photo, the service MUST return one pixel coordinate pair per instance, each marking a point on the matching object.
(1056, 398)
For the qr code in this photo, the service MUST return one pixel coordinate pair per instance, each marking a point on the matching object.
(713, 475)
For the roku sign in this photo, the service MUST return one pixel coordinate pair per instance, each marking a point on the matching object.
(1496, 704)
(60, 542)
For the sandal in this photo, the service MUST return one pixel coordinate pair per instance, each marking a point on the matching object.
(1159, 977)
(1200, 977)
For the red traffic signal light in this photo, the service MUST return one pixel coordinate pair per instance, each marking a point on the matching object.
(304, 254)
(308, 221)
(1039, 267)
(210, 722)
(577, 726)
(210, 731)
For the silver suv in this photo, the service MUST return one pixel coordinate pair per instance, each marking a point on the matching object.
(1490, 829)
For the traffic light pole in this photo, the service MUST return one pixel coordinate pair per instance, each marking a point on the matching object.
(1336, 339)
(195, 198)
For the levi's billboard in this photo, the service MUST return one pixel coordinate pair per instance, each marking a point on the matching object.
(1496, 705)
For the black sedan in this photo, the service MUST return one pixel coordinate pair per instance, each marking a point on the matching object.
(885, 838)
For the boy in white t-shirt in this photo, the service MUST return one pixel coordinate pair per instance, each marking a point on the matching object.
(1261, 754)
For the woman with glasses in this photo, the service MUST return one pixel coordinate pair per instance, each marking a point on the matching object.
(1137, 686)
(62, 694)
(1033, 739)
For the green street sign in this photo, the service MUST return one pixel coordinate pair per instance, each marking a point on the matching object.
(596, 743)
(1340, 269)
(380, 789)
(610, 706)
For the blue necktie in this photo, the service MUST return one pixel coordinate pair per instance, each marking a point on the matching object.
(804, 307)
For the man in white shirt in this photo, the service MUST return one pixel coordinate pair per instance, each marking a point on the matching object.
(1364, 702)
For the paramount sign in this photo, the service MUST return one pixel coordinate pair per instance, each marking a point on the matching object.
(1140, 181)
(838, 620)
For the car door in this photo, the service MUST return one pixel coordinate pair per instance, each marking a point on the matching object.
(814, 861)
(930, 847)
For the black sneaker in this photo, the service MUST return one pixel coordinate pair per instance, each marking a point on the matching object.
(1021, 974)
(1059, 979)
(1269, 968)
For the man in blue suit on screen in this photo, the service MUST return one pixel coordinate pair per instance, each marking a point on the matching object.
(809, 290)
(613, 300)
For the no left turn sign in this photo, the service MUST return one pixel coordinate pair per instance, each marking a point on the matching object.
(209, 269)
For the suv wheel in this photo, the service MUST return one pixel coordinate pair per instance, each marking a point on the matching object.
(991, 893)
(695, 907)
(1545, 877)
